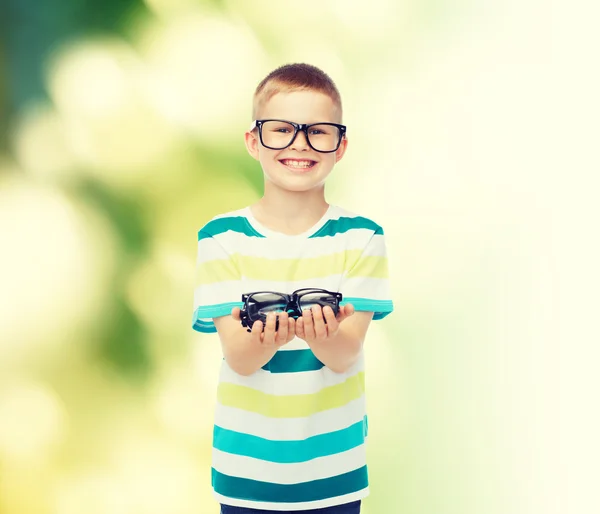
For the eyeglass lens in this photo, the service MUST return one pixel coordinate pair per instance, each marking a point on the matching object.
(263, 303)
(309, 300)
(279, 134)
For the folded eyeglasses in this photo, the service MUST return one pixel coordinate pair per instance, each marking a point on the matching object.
(258, 305)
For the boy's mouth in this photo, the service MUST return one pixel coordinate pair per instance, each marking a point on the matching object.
(298, 164)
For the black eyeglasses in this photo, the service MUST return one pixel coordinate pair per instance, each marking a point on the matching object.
(258, 305)
(279, 134)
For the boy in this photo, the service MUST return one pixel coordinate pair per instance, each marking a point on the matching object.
(290, 422)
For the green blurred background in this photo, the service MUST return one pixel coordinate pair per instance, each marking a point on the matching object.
(122, 134)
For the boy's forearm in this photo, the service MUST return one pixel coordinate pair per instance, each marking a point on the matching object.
(341, 352)
(242, 356)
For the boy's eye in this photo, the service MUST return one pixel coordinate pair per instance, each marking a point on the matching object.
(281, 129)
(321, 130)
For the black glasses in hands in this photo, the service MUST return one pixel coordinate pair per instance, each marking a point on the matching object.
(279, 134)
(258, 305)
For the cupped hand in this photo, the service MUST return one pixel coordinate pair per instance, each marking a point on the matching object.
(311, 325)
(269, 336)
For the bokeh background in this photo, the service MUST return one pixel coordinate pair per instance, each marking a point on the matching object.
(472, 129)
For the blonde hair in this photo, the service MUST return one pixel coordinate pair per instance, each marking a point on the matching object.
(295, 77)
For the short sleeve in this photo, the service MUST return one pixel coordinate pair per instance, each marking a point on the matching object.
(217, 287)
(365, 283)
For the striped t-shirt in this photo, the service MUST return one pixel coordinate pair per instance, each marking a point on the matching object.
(292, 435)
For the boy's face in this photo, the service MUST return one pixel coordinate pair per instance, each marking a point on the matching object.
(287, 168)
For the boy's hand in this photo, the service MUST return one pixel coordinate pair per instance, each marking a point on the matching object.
(271, 337)
(312, 328)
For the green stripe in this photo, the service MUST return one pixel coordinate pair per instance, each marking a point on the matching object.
(234, 223)
(217, 270)
(341, 225)
(263, 268)
(293, 361)
(286, 452)
(246, 489)
(293, 405)
(282, 270)
(371, 266)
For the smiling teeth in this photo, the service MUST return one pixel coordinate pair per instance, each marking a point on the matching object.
(297, 164)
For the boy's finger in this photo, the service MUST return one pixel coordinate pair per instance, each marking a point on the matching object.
(307, 318)
(344, 312)
(291, 329)
(269, 337)
(319, 323)
(332, 322)
(300, 327)
(235, 312)
(257, 329)
(283, 329)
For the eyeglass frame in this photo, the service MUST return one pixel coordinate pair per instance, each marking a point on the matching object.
(297, 128)
(293, 302)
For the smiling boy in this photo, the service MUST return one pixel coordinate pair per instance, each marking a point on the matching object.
(290, 421)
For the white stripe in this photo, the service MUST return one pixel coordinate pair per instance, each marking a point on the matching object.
(210, 249)
(376, 247)
(366, 287)
(291, 507)
(282, 384)
(331, 283)
(290, 429)
(218, 292)
(291, 473)
(236, 242)
(232, 290)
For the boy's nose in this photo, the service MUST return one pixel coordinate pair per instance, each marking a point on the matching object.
(300, 141)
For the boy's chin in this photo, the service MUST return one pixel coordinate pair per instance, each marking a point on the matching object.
(298, 186)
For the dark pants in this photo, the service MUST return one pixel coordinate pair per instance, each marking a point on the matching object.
(346, 508)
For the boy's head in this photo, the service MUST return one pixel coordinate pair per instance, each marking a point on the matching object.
(296, 77)
(295, 156)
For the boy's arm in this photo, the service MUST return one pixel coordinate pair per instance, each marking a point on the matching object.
(247, 352)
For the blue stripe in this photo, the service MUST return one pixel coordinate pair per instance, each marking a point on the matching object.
(380, 308)
(289, 361)
(286, 452)
(254, 490)
(293, 361)
(206, 328)
(235, 223)
(216, 310)
(343, 224)
(201, 314)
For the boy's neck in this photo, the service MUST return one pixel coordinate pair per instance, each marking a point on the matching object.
(290, 213)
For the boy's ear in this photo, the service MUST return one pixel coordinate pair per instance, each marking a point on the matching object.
(251, 144)
(339, 153)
